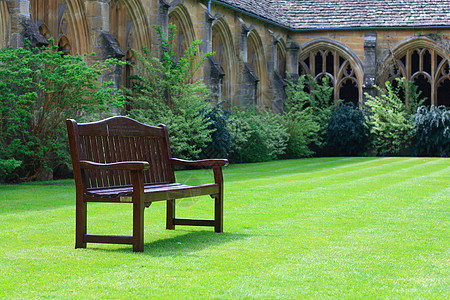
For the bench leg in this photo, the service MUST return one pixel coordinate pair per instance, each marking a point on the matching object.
(170, 214)
(218, 213)
(138, 226)
(80, 227)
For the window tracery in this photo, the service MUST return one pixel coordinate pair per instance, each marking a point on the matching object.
(281, 60)
(428, 69)
(49, 16)
(218, 48)
(330, 62)
(255, 59)
(122, 28)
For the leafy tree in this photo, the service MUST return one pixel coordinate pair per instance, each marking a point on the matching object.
(39, 89)
(308, 108)
(220, 137)
(347, 132)
(164, 91)
(432, 131)
(390, 118)
(256, 136)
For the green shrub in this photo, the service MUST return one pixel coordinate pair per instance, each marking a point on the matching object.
(164, 92)
(39, 89)
(389, 118)
(7, 169)
(256, 136)
(220, 138)
(432, 131)
(302, 132)
(347, 132)
(307, 115)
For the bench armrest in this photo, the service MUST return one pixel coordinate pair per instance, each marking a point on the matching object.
(123, 165)
(201, 162)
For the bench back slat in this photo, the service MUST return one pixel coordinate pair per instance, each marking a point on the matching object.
(120, 139)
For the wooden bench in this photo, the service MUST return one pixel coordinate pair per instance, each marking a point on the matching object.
(119, 158)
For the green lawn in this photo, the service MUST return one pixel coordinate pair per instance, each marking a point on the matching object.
(310, 228)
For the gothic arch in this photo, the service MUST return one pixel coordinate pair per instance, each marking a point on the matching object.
(426, 63)
(256, 60)
(225, 55)
(129, 27)
(80, 37)
(129, 24)
(327, 57)
(281, 58)
(179, 15)
(62, 19)
(4, 24)
(140, 28)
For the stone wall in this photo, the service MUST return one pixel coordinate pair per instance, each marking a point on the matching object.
(242, 74)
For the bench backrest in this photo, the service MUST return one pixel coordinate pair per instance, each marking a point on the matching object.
(119, 139)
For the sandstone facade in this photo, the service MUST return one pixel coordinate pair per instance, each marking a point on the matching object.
(256, 42)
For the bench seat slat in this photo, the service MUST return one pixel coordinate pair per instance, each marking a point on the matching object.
(156, 192)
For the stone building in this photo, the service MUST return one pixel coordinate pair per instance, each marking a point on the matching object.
(357, 43)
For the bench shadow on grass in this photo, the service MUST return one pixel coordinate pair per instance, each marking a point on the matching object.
(184, 244)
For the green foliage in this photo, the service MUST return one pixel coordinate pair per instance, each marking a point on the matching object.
(320, 228)
(39, 89)
(307, 115)
(220, 138)
(256, 136)
(347, 132)
(432, 131)
(164, 92)
(390, 119)
(7, 168)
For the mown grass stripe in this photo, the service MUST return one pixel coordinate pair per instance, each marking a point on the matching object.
(313, 228)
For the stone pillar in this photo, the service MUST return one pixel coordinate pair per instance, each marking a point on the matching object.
(206, 29)
(293, 50)
(214, 79)
(249, 86)
(103, 43)
(21, 25)
(277, 83)
(242, 44)
(97, 14)
(248, 90)
(163, 21)
(212, 72)
(369, 64)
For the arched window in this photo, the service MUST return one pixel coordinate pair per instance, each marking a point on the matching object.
(422, 62)
(218, 48)
(281, 59)
(122, 28)
(180, 38)
(322, 59)
(64, 21)
(64, 45)
(224, 54)
(4, 24)
(256, 61)
(185, 36)
(49, 16)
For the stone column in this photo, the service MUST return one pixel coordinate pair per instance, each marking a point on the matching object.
(21, 25)
(103, 43)
(249, 81)
(206, 28)
(277, 83)
(162, 20)
(293, 50)
(370, 62)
